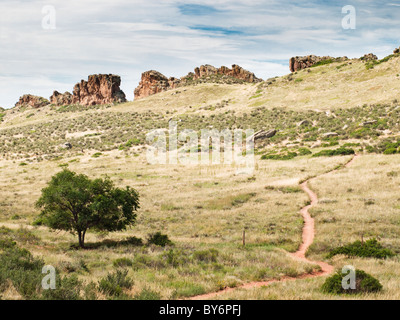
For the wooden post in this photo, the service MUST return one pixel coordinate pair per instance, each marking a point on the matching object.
(244, 238)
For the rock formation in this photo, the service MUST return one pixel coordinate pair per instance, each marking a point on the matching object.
(236, 72)
(99, 89)
(29, 100)
(299, 63)
(60, 99)
(153, 82)
(369, 57)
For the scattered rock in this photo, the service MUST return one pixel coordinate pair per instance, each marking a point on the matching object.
(67, 146)
(330, 134)
(99, 89)
(367, 123)
(262, 135)
(303, 123)
(316, 145)
(29, 100)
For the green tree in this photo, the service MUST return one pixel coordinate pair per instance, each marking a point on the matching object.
(75, 203)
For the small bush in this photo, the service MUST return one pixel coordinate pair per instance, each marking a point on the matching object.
(122, 262)
(67, 288)
(336, 152)
(390, 151)
(147, 294)
(284, 156)
(209, 255)
(369, 249)
(114, 283)
(133, 241)
(365, 283)
(159, 239)
(304, 152)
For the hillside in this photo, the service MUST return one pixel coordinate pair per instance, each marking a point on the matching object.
(321, 116)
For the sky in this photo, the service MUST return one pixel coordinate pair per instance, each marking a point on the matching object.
(44, 48)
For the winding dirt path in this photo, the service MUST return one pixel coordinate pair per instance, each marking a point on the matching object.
(300, 254)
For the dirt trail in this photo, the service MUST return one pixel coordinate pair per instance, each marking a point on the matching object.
(300, 254)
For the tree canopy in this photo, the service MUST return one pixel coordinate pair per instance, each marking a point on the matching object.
(75, 203)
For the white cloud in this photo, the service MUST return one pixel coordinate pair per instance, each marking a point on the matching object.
(128, 37)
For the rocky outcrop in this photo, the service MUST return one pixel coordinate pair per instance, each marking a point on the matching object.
(99, 89)
(299, 63)
(61, 99)
(153, 82)
(369, 57)
(29, 100)
(236, 72)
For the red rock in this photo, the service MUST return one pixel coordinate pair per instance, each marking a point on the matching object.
(99, 89)
(29, 100)
(153, 82)
(299, 63)
(60, 99)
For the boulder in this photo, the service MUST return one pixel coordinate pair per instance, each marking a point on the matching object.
(99, 89)
(66, 146)
(262, 135)
(367, 123)
(330, 134)
(303, 123)
(29, 100)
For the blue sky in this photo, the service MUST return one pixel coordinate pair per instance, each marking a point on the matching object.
(128, 37)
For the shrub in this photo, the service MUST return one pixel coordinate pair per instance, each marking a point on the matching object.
(133, 241)
(390, 151)
(285, 156)
(67, 288)
(209, 255)
(122, 262)
(176, 258)
(159, 239)
(365, 283)
(336, 152)
(113, 283)
(147, 294)
(304, 152)
(323, 62)
(370, 248)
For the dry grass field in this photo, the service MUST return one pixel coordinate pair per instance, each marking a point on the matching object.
(205, 209)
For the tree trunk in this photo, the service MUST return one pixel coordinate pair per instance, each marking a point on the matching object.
(81, 236)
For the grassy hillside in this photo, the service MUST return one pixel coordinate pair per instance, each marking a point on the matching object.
(349, 108)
